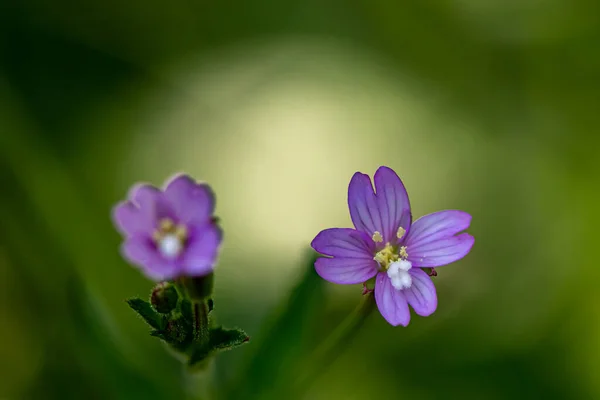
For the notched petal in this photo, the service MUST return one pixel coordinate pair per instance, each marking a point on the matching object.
(140, 251)
(433, 240)
(441, 252)
(344, 242)
(363, 204)
(129, 220)
(346, 271)
(392, 202)
(200, 255)
(392, 303)
(193, 202)
(421, 295)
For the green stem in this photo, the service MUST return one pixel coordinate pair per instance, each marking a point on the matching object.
(201, 328)
(199, 383)
(333, 346)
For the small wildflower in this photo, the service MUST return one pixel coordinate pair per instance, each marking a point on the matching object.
(388, 246)
(172, 232)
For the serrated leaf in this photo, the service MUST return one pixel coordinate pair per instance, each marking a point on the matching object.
(227, 339)
(147, 312)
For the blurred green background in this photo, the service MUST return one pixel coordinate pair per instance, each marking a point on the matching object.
(489, 106)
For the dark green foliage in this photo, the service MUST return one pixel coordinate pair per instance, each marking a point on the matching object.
(147, 312)
(185, 307)
(183, 323)
(220, 339)
(199, 288)
(227, 339)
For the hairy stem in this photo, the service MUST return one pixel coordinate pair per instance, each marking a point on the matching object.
(201, 324)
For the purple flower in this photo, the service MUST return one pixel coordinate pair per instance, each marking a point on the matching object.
(172, 232)
(388, 245)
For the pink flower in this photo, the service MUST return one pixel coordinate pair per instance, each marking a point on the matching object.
(386, 244)
(171, 232)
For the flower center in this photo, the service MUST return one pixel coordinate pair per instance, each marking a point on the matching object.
(170, 238)
(398, 273)
(394, 260)
(386, 256)
(390, 254)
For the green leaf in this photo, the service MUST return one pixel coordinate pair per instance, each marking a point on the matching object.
(147, 312)
(227, 339)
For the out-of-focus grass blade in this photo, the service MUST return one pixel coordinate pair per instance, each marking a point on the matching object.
(280, 348)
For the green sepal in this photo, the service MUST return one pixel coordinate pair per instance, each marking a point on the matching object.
(430, 271)
(199, 288)
(148, 313)
(186, 311)
(226, 339)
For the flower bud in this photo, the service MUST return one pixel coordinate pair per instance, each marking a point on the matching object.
(164, 297)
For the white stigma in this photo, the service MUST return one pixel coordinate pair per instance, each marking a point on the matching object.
(398, 274)
(170, 246)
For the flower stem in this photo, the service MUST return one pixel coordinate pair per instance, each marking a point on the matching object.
(333, 346)
(198, 384)
(201, 327)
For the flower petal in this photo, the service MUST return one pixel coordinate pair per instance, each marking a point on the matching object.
(438, 225)
(152, 201)
(363, 205)
(202, 250)
(140, 251)
(441, 252)
(421, 295)
(346, 271)
(130, 220)
(392, 303)
(392, 202)
(194, 203)
(431, 241)
(344, 242)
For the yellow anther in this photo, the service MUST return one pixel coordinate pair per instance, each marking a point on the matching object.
(386, 256)
(401, 232)
(380, 258)
(403, 253)
(166, 224)
(377, 238)
(181, 232)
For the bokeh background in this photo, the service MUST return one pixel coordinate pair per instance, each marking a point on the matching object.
(489, 106)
